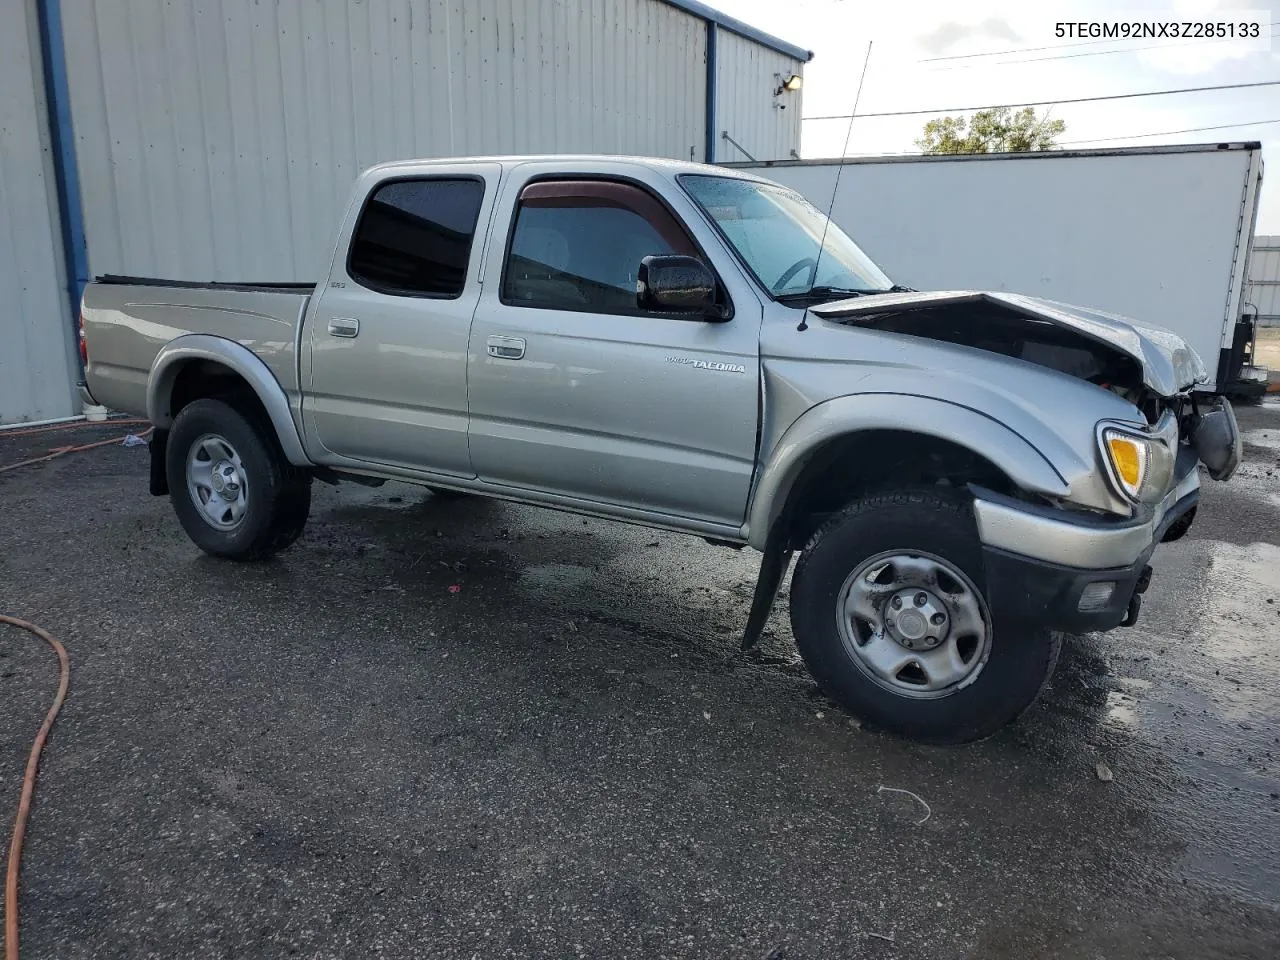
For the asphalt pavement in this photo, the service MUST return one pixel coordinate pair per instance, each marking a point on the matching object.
(458, 728)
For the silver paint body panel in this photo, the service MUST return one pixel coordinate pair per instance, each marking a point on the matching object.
(594, 409)
(685, 425)
(1060, 541)
(1168, 364)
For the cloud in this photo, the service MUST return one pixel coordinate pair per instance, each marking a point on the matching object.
(1189, 59)
(946, 35)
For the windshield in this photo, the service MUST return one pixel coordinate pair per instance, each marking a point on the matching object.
(777, 233)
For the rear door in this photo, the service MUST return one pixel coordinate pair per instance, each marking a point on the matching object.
(574, 390)
(388, 337)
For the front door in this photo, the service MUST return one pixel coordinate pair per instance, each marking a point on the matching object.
(388, 338)
(576, 392)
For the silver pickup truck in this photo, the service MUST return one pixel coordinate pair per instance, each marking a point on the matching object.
(964, 475)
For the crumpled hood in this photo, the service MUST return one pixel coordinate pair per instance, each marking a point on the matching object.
(1169, 365)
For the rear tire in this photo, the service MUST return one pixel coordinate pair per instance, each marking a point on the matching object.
(235, 494)
(898, 578)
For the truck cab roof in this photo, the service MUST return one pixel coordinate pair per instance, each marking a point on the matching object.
(584, 160)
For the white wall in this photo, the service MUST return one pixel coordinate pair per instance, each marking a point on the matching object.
(1150, 235)
(745, 104)
(36, 351)
(217, 139)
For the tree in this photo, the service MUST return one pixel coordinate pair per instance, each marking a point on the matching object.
(991, 131)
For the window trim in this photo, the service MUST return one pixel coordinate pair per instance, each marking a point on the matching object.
(569, 176)
(419, 178)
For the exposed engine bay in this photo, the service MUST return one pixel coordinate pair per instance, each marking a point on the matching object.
(1001, 330)
(1150, 368)
(1077, 343)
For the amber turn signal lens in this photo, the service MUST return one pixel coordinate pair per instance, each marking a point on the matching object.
(1127, 456)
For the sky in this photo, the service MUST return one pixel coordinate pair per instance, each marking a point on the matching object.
(903, 74)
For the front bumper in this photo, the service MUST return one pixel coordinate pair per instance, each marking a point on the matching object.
(1040, 561)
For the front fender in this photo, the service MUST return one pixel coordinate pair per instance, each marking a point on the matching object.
(236, 357)
(843, 416)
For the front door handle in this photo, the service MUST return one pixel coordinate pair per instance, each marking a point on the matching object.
(344, 327)
(506, 348)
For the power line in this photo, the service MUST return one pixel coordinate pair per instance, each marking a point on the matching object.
(1053, 46)
(1041, 103)
(1168, 133)
(1072, 143)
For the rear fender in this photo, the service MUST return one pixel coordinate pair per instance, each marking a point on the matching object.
(175, 354)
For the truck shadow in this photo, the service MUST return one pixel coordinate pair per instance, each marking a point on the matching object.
(570, 578)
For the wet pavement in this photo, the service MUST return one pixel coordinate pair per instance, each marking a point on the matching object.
(338, 754)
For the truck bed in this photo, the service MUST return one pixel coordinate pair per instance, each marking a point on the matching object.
(128, 319)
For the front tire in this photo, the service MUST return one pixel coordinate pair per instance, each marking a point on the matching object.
(889, 611)
(234, 492)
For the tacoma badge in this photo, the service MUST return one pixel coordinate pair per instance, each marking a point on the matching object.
(709, 364)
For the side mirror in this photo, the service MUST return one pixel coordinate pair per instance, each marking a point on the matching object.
(677, 284)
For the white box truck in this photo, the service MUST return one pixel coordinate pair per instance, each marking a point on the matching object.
(1160, 234)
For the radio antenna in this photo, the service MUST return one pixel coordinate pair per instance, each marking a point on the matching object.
(835, 190)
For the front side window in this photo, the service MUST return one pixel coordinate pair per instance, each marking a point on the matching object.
(779, 235)
(577, 245)
(414, 237)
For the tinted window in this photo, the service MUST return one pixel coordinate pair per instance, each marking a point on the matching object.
(580, 255)
(414, 237)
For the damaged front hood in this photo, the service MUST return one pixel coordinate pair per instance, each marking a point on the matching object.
(1169, 365)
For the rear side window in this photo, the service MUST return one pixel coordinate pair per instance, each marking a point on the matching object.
(414, 237)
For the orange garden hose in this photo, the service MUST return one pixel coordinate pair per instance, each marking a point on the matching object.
(29, 785)
(59, 451)
(76, 425)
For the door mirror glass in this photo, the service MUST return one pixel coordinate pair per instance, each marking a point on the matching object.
(677, 284)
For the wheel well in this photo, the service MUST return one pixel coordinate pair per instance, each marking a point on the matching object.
(208, 379)
(875, 460)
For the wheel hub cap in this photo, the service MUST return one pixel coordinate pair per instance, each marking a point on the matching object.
(225, 479)
(917, 619)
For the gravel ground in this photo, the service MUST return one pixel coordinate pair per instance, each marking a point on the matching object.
(336, 754)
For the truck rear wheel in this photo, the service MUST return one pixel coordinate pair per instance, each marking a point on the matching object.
(889, 612)
(234, 492)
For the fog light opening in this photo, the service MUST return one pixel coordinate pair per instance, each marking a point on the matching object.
(1096, 596)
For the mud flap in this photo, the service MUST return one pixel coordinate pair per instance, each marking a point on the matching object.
(777, 557)
(159, 475)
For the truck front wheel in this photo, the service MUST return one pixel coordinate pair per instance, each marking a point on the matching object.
(889, 612)
(234, 492)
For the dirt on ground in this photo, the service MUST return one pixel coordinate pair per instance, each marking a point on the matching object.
(471, 729)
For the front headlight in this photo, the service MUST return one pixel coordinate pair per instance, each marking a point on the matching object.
(1141, 467)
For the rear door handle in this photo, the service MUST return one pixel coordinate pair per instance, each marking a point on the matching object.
(344, 327)
(506, 348)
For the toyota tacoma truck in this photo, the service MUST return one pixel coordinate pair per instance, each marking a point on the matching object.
(965, 476)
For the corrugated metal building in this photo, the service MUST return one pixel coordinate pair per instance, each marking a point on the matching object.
(217, 139)
(1263, 291)
(37, 361)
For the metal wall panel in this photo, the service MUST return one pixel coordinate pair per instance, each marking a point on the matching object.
(1264, 280)
(767, 127)
(36, 352)
(217, 139)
